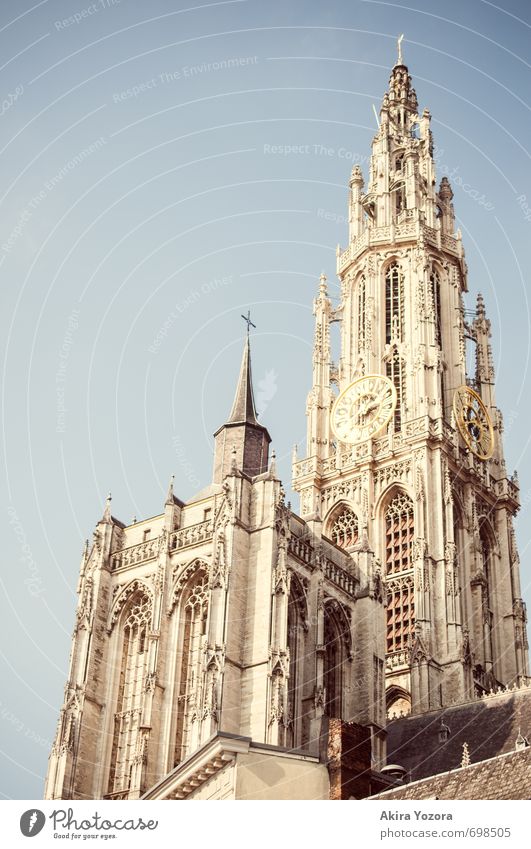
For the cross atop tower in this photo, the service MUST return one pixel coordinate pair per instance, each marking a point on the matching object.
(247, 319)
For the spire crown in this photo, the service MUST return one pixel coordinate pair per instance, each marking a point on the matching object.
(243, 408)
(400, 89)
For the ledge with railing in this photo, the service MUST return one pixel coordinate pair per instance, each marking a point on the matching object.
(193, 535)
(134, 554)
(407, 228)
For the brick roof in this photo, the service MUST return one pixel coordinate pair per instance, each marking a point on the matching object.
(505, 777)
(489, 726)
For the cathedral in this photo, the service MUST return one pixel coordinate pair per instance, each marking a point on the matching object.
(230, 647)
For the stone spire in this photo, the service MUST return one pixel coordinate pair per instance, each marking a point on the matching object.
(243, 408)
(400, 89)
(241, 444)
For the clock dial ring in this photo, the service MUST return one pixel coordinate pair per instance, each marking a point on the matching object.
(363, 408)
(473, 422)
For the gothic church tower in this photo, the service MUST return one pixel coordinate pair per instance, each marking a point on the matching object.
(215, 642)
(411, 453)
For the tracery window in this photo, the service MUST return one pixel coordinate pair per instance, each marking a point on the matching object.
(487, 612)
(128, 715)
(362, 296)
(394, 303)
(345, 530)
(396, 372)
(399, 533)
(332, 664)
(194, 613)
(296, 605)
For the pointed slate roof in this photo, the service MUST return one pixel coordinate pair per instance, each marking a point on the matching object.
(243, 408)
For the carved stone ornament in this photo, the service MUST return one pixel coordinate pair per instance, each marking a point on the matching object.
(124, 596)
(183, 575)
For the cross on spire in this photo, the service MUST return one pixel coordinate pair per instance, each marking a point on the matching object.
(247, 319)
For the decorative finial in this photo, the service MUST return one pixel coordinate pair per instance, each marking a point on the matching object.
(322, 284)
(364, 544)
(399, 48)
(247, 319)
(169, 497)
(133, 520)
(465, 759)
(107, 519)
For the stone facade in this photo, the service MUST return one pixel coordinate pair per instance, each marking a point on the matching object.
(226, 614)
(227, 640)
(439, 517)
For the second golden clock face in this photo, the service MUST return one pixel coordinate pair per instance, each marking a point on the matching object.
(363, 409)
(474, 422)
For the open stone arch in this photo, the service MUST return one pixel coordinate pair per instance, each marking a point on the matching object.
(397, 702)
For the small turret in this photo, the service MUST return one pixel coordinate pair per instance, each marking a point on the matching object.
(446, 207)
(242, 444)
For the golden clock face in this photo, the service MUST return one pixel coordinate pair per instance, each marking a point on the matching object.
(363, 408)
(474, 422)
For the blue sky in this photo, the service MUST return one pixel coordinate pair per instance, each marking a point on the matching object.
(145, 205)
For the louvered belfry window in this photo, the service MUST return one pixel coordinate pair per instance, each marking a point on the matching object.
(394, 303)
(396, 373)
(362, 297)
(399, 533)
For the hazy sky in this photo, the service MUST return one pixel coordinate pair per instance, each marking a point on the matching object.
(146, 202)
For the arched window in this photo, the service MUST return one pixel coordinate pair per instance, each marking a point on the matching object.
(394, 303)
(362, 295)
(333, 663)
(345, 530)
(487, 611)
(128, 715)
(399, 533)
(194, 623)
(396, 372)
(296, 631)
